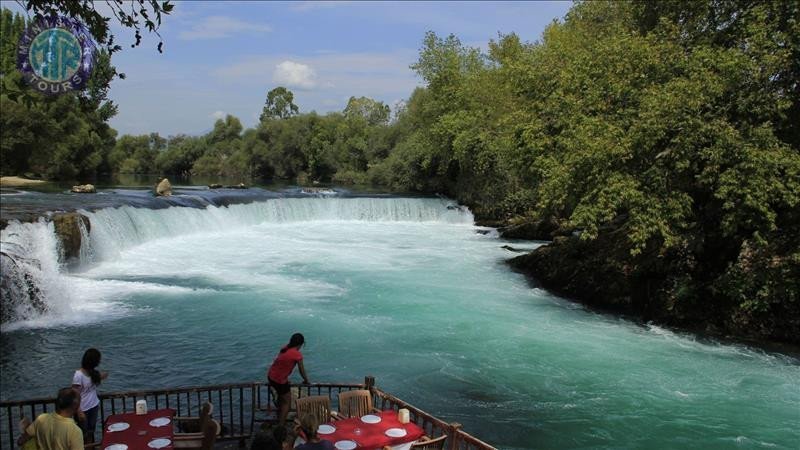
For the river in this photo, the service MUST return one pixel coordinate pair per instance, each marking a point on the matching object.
(404, 289)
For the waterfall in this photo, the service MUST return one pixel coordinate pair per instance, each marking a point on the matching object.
(31, 283)
(35, 282)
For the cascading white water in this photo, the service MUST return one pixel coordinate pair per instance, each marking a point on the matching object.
(33, 248)
(31, 271)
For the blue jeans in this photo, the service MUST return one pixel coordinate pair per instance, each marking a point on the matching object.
(90, 424)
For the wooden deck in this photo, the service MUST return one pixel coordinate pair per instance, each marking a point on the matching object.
(240, 408)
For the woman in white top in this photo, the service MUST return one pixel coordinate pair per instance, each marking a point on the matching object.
(85, 382)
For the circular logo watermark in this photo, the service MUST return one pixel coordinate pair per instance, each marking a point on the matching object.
(56, 55)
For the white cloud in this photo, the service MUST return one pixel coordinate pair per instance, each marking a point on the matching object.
(217, 27)
(218, 114)
(294, 74)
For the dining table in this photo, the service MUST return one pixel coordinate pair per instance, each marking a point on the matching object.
(370, 432)
(131, 431)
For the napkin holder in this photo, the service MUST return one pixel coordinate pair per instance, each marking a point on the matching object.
(141, 407)
(403, 416)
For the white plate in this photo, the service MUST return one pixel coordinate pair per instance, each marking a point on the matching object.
(371, 418)
(159, 443)
(159, 422)
(119, 426)
(345, 445)
(395, 432)
(326, 429)
(117, 447)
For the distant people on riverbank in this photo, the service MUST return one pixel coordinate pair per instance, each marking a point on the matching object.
(85, 382)
(307, 429)
(55, 430)
(281, 368)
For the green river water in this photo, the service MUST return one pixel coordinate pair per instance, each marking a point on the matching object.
(402, 289)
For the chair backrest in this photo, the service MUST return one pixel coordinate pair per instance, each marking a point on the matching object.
(318, 406)
(205, 415)
(432, 444)
(210, 432)
(355, 403)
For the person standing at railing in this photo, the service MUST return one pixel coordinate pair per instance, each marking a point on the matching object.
(85, 382)
(281, 368)
(55, 430)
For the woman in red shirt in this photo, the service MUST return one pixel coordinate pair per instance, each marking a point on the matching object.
(281, 368)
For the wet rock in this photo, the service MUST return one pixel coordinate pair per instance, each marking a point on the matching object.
(68, 230)
(84, 189)
(164, 188)
(237, 186)
(19, 294)
(512, 249)
(215, 186)
(542, 230)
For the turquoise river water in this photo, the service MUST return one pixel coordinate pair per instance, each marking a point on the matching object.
(400, 288)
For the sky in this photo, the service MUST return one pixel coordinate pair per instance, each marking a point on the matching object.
(223, 57)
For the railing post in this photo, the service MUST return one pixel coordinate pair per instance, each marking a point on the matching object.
(453, 435)
(369, 381)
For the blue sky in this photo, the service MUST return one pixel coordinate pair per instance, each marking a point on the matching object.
(222, 57)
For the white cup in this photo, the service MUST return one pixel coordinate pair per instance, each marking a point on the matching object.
(141, 407)
(403, 416)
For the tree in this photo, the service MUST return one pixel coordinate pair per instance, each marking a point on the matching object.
(65, 136)
(279, 104)
(374, 112)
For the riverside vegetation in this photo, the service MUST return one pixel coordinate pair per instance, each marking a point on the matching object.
(656, 143)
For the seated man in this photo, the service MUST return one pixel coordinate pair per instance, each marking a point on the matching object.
(57, 430)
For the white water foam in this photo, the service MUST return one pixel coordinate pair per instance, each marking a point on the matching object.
(81, 297)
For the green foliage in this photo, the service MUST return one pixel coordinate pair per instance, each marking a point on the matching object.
(61, 137)
(672, 125)
(363, 108)
(279, 104)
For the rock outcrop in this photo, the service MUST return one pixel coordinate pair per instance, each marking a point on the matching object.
(540, 230)
(84, 189)
(164, 188)
(19, 294)
(68, 230)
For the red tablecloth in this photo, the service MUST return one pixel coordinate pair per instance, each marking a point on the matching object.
(133, 436)
(372, 435)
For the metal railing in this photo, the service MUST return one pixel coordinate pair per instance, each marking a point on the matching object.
(237, 407)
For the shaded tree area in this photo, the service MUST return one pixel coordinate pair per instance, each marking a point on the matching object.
(57, 137)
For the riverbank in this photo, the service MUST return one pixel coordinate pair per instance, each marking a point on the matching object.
(665, 290)
(19, 182)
